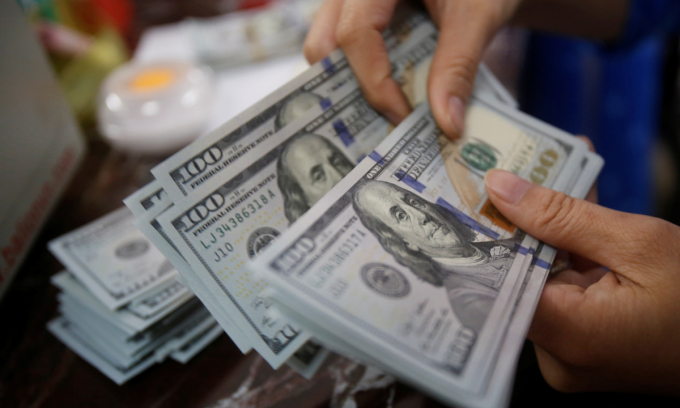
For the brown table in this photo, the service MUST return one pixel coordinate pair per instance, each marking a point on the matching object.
(36, 370)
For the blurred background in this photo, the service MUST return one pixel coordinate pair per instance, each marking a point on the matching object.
(623, 99)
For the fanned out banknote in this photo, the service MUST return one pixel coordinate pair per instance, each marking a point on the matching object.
(148, 203)
(407, 257)
(309, 223)
(358, 117)
(344, 126)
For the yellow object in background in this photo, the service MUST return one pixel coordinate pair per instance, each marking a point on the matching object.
(152, 79)
(81, 77)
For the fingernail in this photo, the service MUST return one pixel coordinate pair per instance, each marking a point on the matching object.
(393, 117)
(507, 186)
(457, 115)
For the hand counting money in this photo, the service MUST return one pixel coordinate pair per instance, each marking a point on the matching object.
(309, 221)
(310, 154)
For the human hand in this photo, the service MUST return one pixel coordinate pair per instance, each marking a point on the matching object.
(611, 328)
(466, 27)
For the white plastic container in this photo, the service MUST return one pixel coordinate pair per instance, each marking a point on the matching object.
(155, 108)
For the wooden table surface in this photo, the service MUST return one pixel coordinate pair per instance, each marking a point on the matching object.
(36, 370)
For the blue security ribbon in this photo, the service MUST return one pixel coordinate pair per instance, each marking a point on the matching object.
(413, 183)
(328, 65)
(343, 133)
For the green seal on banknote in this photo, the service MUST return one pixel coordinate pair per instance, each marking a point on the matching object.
(479, 156)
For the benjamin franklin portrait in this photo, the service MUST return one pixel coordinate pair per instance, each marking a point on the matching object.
(308, 167)
(437, 247)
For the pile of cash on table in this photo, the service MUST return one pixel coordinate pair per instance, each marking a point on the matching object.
(123, 307)
(309, 223)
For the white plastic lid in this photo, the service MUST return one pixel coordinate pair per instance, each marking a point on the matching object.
(155, 107)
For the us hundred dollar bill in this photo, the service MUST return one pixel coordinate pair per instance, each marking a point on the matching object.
(307, 158)
(415, 268)
(501, 382)
(307, 358)
(411, 70)
(114, 260)
(150, 202)
(298, 165)
(500, 385)
(127, 348)
(147, 204)
(218, 258)
(410, 43)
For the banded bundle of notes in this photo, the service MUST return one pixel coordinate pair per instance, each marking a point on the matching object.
(308, 223)
(123, 307)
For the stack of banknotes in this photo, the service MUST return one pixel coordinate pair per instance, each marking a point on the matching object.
(309, 223)
(241, 37)
(123, 307)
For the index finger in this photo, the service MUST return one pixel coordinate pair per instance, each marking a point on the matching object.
(321, 40)
(359, 34)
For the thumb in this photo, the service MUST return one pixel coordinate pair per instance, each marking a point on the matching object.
(597, 233)
(466, 27)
